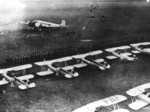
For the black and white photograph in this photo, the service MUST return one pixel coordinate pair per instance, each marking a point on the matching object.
(74, 56)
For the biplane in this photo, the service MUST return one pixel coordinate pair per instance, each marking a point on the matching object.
(143, 47)
(140, 96)
(66, 71)
(85, 60)
(122, 52)
(22, 82)
(104, 103)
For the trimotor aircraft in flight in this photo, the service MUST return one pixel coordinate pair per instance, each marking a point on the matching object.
(44, 25)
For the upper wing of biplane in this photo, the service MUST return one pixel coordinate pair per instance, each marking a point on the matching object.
(138, 90)
(91, 107)
(113, 100)
(17, 68)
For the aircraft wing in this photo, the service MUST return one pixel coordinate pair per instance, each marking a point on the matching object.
(68, 67)
(17, 68)
(138, 90)
(147, 49)
(117, 48)
(99, 60)
(127, 53)
(52, 61)
(3, 82)
(79, 56)
(138, 104)
(85, 108)
(80, 65)
(41, 63)
(22, 67)
(95, 52)
(113, 100)
(64, 59)
(91, 107)
(44, 73)
(135, 51)
(135, 91)
(25, 77)
(111, 57)
(138, 44)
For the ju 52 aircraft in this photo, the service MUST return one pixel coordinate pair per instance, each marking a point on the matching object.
(41, 25)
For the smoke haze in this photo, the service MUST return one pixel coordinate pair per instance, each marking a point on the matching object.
(11, 11)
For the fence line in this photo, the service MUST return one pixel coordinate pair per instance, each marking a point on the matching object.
(62, 52)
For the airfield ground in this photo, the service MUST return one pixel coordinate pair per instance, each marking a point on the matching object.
(53, 94)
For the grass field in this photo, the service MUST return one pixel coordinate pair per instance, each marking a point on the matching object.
(62, 95)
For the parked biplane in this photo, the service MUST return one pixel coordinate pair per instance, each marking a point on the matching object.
(143, 47)
(22, 82)
(140, 95)
(122, 52)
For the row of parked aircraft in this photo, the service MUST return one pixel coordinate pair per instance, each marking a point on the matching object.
(82, 60)
(140, 94)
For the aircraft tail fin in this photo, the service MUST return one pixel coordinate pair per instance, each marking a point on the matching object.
(63, 23)
(23, 22)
